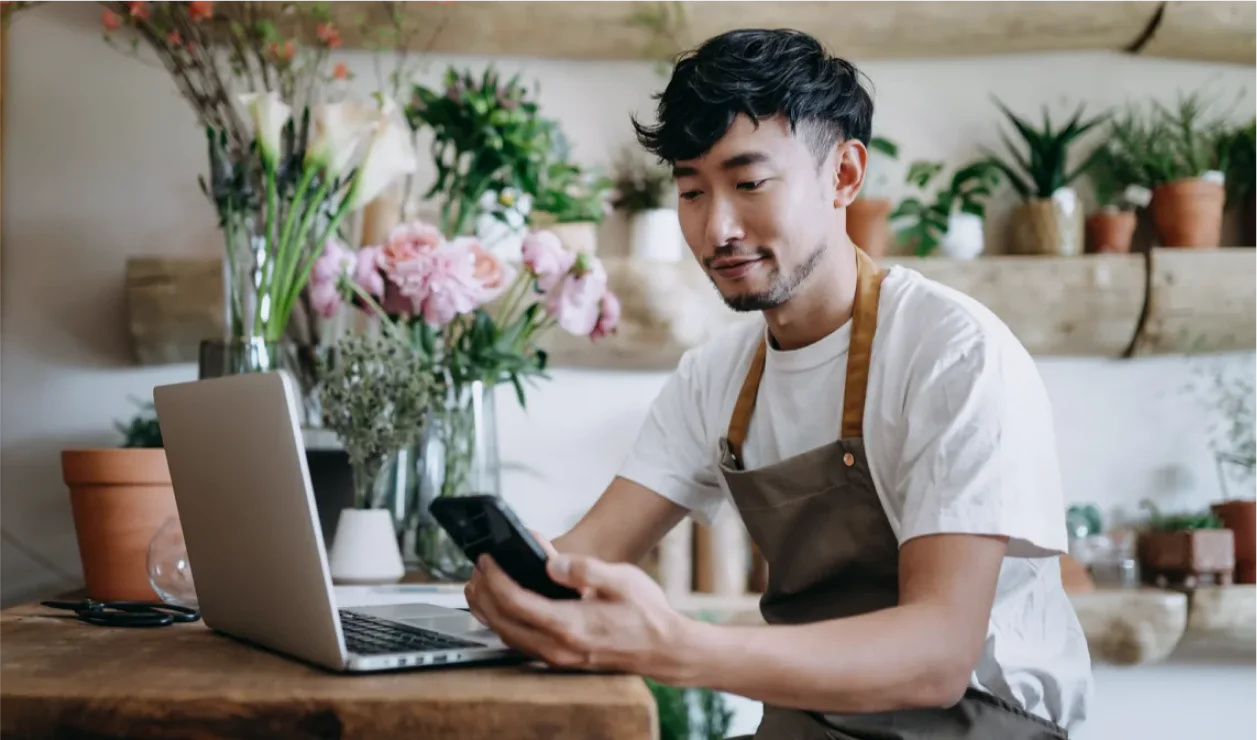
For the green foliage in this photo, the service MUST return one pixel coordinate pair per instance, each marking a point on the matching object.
(664, 23)
(142, 431)
(1043, 168)
(1159, 145)
(1186, 522)
(927, 220)
(376, 394)
(487, 136)
(1242, 163)
(639, 185)
(690, 714)
(570, 193)
(885, 146)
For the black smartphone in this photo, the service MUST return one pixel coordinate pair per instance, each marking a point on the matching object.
(482, 524)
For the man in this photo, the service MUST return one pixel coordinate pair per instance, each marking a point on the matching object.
(886, 440)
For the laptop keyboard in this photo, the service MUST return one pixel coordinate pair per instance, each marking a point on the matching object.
(373, 636)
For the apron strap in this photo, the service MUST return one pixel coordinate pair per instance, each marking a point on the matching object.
(863, 325)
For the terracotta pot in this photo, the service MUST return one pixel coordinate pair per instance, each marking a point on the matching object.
(1240, 517)
(1110, 231)
(119, 499)
(1188, 213)
(1044, 226)
(868, 225)
(1182, 557)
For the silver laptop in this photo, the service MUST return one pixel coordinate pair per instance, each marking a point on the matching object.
(255, 546)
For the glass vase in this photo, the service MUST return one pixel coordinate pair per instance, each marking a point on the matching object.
(458, 456)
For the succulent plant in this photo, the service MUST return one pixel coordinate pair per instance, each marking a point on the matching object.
(1043, 168)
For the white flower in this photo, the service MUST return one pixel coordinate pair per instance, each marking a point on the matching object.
(389, 156)
(269, 115)
(338, 129)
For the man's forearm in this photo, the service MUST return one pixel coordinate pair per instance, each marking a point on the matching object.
(626, 521)
(899, 658)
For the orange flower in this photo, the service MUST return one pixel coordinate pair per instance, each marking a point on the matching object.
(329, 35)
(138, 9)
(110, 20)
(174, 39)
(340, 71)
(200, 10)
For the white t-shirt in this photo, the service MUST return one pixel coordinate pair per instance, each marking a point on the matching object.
(959, 436)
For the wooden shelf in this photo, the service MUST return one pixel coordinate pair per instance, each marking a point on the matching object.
(1213, 31)
(1169, 301)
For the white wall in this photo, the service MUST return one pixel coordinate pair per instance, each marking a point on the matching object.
(100, 163)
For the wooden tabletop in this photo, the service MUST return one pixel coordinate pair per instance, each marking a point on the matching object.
(60, 677)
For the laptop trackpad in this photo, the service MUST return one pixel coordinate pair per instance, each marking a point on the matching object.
(465, 625)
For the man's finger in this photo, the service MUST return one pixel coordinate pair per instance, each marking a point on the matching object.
(521, 604)
(553, 648)
(585, 574)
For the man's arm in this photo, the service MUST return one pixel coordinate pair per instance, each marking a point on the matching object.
(626, 521)
(919, 653)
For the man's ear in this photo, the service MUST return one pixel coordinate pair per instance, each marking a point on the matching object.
(850, 160)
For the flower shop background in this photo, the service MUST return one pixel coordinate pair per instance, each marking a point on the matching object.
(100, 161)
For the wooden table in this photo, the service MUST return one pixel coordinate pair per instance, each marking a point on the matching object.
(60, 678)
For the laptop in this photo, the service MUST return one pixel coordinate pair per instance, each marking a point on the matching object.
(255, 546)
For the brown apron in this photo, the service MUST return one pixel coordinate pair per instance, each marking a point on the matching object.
(817, 520)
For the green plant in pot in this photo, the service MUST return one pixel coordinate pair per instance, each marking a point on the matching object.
(1111, 228)
(641, 191)
(571, 201)
(952, 222)
(1241, 171)
(1185, 549)
(1049, 218)
(1179, 154)
(868, 217)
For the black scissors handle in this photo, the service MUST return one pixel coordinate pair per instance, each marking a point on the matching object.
(127, 613)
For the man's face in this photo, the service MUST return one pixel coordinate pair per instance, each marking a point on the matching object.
(758, 211)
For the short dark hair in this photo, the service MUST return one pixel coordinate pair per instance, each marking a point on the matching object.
(759, 73)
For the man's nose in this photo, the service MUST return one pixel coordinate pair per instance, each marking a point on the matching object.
(723, 225)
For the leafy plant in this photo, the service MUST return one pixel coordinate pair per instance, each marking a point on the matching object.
(488, 135)
(143, 430)
(376, 398)
(927, 220)
(1161, 144)
(1184, 522)
(1229, 397)
(665, 23)
(1043, 169)
(570, 193)
(875, 181)
(1242, 163)
(639, 185)
(679, 708)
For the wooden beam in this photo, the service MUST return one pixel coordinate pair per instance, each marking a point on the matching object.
(1206, 31)
(1199, 301)
(857, 30)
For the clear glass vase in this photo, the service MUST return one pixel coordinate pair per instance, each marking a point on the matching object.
(458, 455)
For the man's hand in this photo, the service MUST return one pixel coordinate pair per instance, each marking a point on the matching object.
(623, 621)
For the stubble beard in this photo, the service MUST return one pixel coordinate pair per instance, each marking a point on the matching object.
(782, 289)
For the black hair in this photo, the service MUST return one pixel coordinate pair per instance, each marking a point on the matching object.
(760, 73)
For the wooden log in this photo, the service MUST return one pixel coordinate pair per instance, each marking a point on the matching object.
(1206, 31)
(1199, 301)
(857, 30)
(173, 304)
(1225, 617)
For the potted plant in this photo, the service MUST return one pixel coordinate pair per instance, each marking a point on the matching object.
(376, 395)
(1180, 156)
(1185, 549)
(1049, 219)
(1111, 228)
(868, 216)
(641, 191)
(953, 222)
(1229, 398)
(571, 202)
(119, 498)
(1242, 166)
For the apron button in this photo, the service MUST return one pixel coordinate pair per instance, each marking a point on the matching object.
(849, 459)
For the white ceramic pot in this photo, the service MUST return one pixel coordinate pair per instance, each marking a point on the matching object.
(964, 239)
(364, 549)
(655, 235)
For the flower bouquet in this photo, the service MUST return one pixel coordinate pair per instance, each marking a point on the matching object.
(474, 322)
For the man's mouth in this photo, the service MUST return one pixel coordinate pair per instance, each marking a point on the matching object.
(732, 268)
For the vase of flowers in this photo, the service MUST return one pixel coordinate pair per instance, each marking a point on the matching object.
(376, 396)
(473, 322)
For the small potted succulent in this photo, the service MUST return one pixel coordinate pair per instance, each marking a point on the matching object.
(571, 201)
(1049, 218)
(1111, 228)
(952, 223)
(1241, 172)
(641, 193)
(868, 216)
(1186, 549)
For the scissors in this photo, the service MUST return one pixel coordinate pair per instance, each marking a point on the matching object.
(126, 613)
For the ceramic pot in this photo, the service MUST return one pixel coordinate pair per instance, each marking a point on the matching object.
(578, 236)
(868, 225)
(1110, 231)
(119, 499)
(1240, 516)
(365, 549)
(964, 239)
(1048, 226)
(1184, 557)
(655, 235)
(1188, 213)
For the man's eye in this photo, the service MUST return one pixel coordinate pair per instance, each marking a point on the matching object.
(751, 185)
(691, 194)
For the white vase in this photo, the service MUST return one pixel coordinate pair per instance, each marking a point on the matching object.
(655, 235)
(964, 239)
(364, 548)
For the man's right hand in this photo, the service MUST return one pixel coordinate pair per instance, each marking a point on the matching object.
(474, 590)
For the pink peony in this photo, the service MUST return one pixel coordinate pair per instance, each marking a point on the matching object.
(441, 285)
(493, 275)
(608, 317)
(325, 298)
(408, 242)
(546, 257)
(334, 261)
(367, 270)
(576, 301)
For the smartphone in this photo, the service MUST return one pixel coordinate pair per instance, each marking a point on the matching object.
(481, 524)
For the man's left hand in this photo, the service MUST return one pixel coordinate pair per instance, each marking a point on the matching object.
(622, 622)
